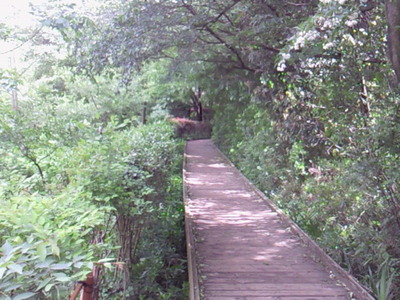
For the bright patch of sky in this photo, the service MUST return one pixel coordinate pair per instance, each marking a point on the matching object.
(16, 12)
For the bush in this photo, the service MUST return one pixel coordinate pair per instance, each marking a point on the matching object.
(190, 129)
(47, 243)
(86, 196)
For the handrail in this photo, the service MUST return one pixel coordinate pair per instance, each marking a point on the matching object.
(88, 288)
(76, 291)
(194, 282)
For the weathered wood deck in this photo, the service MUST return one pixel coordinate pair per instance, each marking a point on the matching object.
(240, 246)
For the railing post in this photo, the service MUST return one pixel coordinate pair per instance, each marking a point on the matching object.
(76, 291)
(88, 288)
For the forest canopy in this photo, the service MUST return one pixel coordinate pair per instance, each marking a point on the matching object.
(305, 101)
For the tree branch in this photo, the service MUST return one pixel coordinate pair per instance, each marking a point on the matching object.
(368, 7)
(220, 39)
(35, 162)
(298, 4)
(228, 8)
(270, 48)
(23, 43)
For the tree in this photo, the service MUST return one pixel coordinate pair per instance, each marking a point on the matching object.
(393, 21)
(234, 35)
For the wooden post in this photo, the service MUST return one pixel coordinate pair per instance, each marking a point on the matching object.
(144, 113)
(76, 291)
(88, 288)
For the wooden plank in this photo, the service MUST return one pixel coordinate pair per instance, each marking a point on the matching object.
(276, 298)
(273, 287)
(194, 284)
(304, 294)
(356, 288)
(241, 247)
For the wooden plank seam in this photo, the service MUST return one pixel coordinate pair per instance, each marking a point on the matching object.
(359, 291)
(194, 284)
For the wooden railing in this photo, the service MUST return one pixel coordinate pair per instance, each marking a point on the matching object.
(88, 289)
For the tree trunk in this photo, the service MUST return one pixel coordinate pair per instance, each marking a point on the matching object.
(144, 114)
(200, 112)
(393, 21)
(14, 98)
(197, 106)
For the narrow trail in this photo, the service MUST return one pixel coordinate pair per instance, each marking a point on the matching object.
(240, 247)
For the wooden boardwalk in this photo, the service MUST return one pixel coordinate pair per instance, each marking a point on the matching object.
(242, 247)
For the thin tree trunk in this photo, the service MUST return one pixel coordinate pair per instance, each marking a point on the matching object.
(144, 113)
(393, 21)
(200, 112)
(14, 98)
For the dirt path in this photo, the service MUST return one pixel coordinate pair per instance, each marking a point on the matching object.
(243, 250)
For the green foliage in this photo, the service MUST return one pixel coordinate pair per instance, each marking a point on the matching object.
(161, 269)
(81, 181)
(385, 276)
(305, 103)
(9, 80)
(343, 196)
(46, 243)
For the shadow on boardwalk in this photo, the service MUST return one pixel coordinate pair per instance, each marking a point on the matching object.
(241, 248)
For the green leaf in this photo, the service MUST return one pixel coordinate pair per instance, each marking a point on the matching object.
(48, 287)
(43, 283)
(25, 247)
(30, 239)
(43, 265)
(60, 266)
(7, 249)
(24, 296)
(41, 252)
(62, 277)
(12, 287)
(55, 250)
(16, 268)
(2, 271)
(78, 258)
(103, 260)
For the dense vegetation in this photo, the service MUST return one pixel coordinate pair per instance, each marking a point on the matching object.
(85, 185)
(305, 100)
